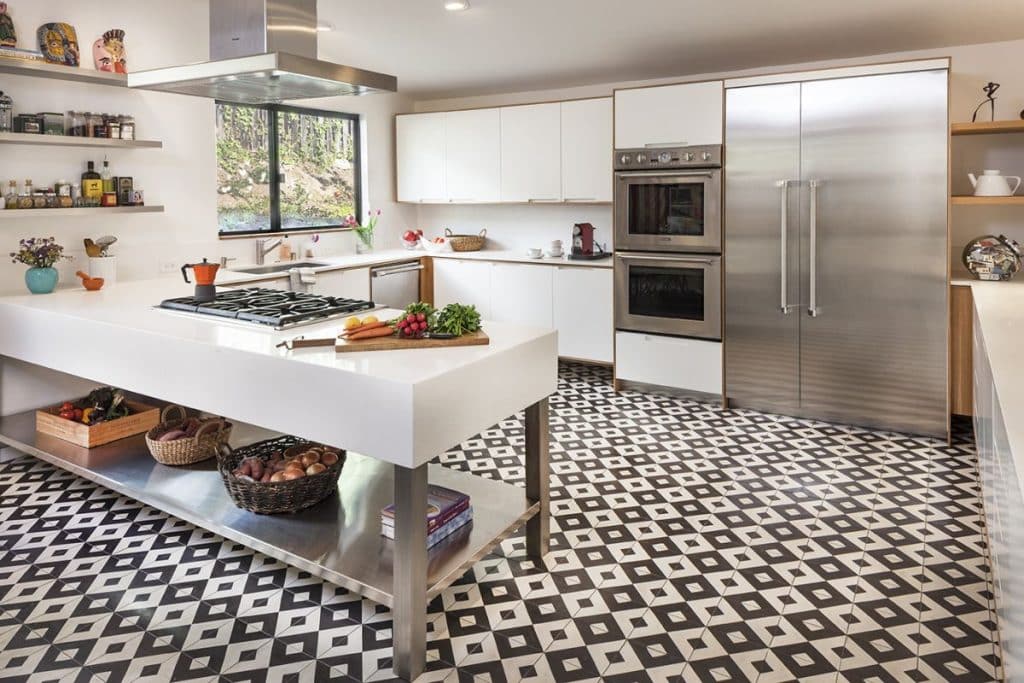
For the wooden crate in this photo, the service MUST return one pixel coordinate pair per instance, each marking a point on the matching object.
(143, 418)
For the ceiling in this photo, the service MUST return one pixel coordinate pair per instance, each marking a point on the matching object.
(516, 45)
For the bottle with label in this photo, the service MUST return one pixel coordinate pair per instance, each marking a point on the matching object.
(92, 186)
(107, 177)
(25, 197)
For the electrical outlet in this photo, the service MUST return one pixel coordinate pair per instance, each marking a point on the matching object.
(168, 266)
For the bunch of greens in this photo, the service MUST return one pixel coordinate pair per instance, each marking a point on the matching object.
(38, 252)
(106, 403)
(457, 320)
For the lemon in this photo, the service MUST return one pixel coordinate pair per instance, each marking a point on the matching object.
(370, 319)
(352, 323)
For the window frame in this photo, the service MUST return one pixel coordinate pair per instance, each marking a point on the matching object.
(275, 168)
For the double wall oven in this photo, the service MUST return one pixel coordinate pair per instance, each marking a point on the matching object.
(668, 240)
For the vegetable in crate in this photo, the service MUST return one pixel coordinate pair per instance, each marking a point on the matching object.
(101, 405)
(457, 320)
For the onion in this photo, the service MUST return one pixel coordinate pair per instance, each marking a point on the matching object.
(291, 474)
(329, 458)
(278, 476)
(315, 468)
(310, 458)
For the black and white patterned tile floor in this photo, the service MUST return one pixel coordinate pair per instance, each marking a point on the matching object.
(688, 544)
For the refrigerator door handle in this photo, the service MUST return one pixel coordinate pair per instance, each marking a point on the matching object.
(812, 304)
(783, 255)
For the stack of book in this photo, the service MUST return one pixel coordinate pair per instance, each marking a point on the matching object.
(447, 511)
(17, 53)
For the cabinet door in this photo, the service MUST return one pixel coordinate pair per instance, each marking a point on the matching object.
(464, 282)
(473, 155)
(420, 164)
(587, 150)
(353, 283)
(583, 312)
(522, 294)
(670, 115)
(530, 157)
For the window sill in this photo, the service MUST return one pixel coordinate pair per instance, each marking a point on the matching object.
(282, 233)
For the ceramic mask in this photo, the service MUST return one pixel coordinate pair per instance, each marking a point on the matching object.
(108, 52)
(8, 38)
(59, 43)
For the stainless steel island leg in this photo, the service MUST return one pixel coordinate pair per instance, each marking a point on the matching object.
(538, 478)
(409, 611)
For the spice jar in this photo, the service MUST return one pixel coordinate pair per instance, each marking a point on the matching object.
(6, 113)
(76, 195)
(74, 121)
(127, 127)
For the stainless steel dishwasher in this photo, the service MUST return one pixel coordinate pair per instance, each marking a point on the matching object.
(396, 285)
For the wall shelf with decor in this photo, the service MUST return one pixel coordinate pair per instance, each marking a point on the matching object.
(987, 127)
(82, 211)
(971, 200)
(25, 67)
(72, 141)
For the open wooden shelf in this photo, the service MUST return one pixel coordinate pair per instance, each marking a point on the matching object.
(987, 128)
(25, 67)
(970, 200)
(79, 211)
(72, 141)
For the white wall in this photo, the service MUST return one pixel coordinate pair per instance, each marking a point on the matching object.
(972, 66)
(181, 176)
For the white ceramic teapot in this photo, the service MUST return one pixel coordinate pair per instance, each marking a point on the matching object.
(993, 184)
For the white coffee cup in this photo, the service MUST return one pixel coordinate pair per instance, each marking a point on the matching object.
(533, 252)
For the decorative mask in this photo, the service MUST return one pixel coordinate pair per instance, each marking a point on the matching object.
(108, 52)
(8, 38)
(59, 43)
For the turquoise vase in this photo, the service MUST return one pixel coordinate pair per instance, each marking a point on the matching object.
(41, 280)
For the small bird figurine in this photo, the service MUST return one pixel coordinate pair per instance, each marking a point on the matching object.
(92, 249)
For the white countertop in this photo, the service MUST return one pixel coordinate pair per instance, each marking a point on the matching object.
(232, 277)
(404, 407)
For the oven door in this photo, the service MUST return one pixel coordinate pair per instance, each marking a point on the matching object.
(669, 211)
(678, 295)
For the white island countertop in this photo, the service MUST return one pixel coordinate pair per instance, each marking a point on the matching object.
(403, 407)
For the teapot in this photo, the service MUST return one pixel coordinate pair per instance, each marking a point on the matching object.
(205, 273)
(993, 184)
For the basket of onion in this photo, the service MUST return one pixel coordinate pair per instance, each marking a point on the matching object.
(182, 440)
(286, 474)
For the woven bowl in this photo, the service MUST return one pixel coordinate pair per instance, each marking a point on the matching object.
(466, 242)
(212, 433)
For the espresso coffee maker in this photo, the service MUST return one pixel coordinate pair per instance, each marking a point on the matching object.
(584, 247)
(205, 273)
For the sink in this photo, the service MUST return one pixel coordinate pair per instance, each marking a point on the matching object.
(279, 267)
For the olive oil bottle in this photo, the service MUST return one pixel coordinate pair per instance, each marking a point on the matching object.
(107, 178)
(92, 186)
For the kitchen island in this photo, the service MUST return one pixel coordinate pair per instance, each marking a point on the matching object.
(393, 411)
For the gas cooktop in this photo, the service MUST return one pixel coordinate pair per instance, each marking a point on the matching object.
(269, 307)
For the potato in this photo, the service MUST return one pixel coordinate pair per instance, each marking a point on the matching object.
(315, 468)
(279, 466)
(265, 479)
(329, 458)
(246, 468)
(310, 458)
(248, 479)
(291, 474)
(278, 476)
(172, 435)
(257, 469)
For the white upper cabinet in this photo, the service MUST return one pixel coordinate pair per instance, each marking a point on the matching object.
(587, 150)
(420, 163)
(473, 155)
(669, 116)
(531, 165)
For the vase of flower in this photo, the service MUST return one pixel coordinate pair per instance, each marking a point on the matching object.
(364, 233)
(40, 254)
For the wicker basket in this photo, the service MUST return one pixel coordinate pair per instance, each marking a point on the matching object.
(211, 434)
(466, 242)
(276, 497)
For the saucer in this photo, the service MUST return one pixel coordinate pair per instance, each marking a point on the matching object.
(555, 254)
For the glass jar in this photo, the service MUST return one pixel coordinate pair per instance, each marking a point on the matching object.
(93, 122)
(75, 124)
(12, 195)
(76, 195)
(6, 113)
(127, 127)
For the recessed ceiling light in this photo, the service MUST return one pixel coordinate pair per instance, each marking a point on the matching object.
(324, 26)
(456, 5)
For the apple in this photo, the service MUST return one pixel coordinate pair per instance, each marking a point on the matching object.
(410, 236)
(419, 233)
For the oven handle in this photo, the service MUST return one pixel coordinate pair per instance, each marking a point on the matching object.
(666, 172)
(783, 185)
(677, 259)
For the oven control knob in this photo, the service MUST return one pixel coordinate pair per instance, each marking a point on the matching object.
(665, 157)
(705, 156)
(625, 159)
(641, 158)
(688, 156)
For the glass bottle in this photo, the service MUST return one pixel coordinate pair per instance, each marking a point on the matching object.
(92, 186)
(107, 177)
(6, 113)
(76, 196)
(25, 197)
(11, 198)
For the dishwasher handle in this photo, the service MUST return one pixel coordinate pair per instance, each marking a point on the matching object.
(398, 270)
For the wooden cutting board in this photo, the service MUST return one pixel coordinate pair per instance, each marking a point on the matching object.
(478, 338)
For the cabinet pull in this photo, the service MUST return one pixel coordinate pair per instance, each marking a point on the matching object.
(656, 145)
(783, 249)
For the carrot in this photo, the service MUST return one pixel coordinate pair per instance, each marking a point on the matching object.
(384, 331)
(362, 328)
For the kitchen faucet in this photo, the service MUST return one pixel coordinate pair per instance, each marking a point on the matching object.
(264, 247)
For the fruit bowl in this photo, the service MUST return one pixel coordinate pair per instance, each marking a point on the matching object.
(435, 247)
(415, 244)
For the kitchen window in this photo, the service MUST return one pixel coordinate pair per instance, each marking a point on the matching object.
(285, 169)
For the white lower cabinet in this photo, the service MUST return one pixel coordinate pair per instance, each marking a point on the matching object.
(522, 294)
(353, 283)
(464, 282)
(583, 312)
(687, 364)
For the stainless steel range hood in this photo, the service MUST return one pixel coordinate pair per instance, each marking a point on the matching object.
(263, 52)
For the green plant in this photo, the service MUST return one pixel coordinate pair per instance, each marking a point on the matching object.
(456, 319)
(38, 252)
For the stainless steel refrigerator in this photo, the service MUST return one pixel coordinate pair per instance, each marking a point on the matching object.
(836, 250)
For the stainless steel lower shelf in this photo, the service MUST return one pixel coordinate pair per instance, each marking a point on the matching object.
(338, 540)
